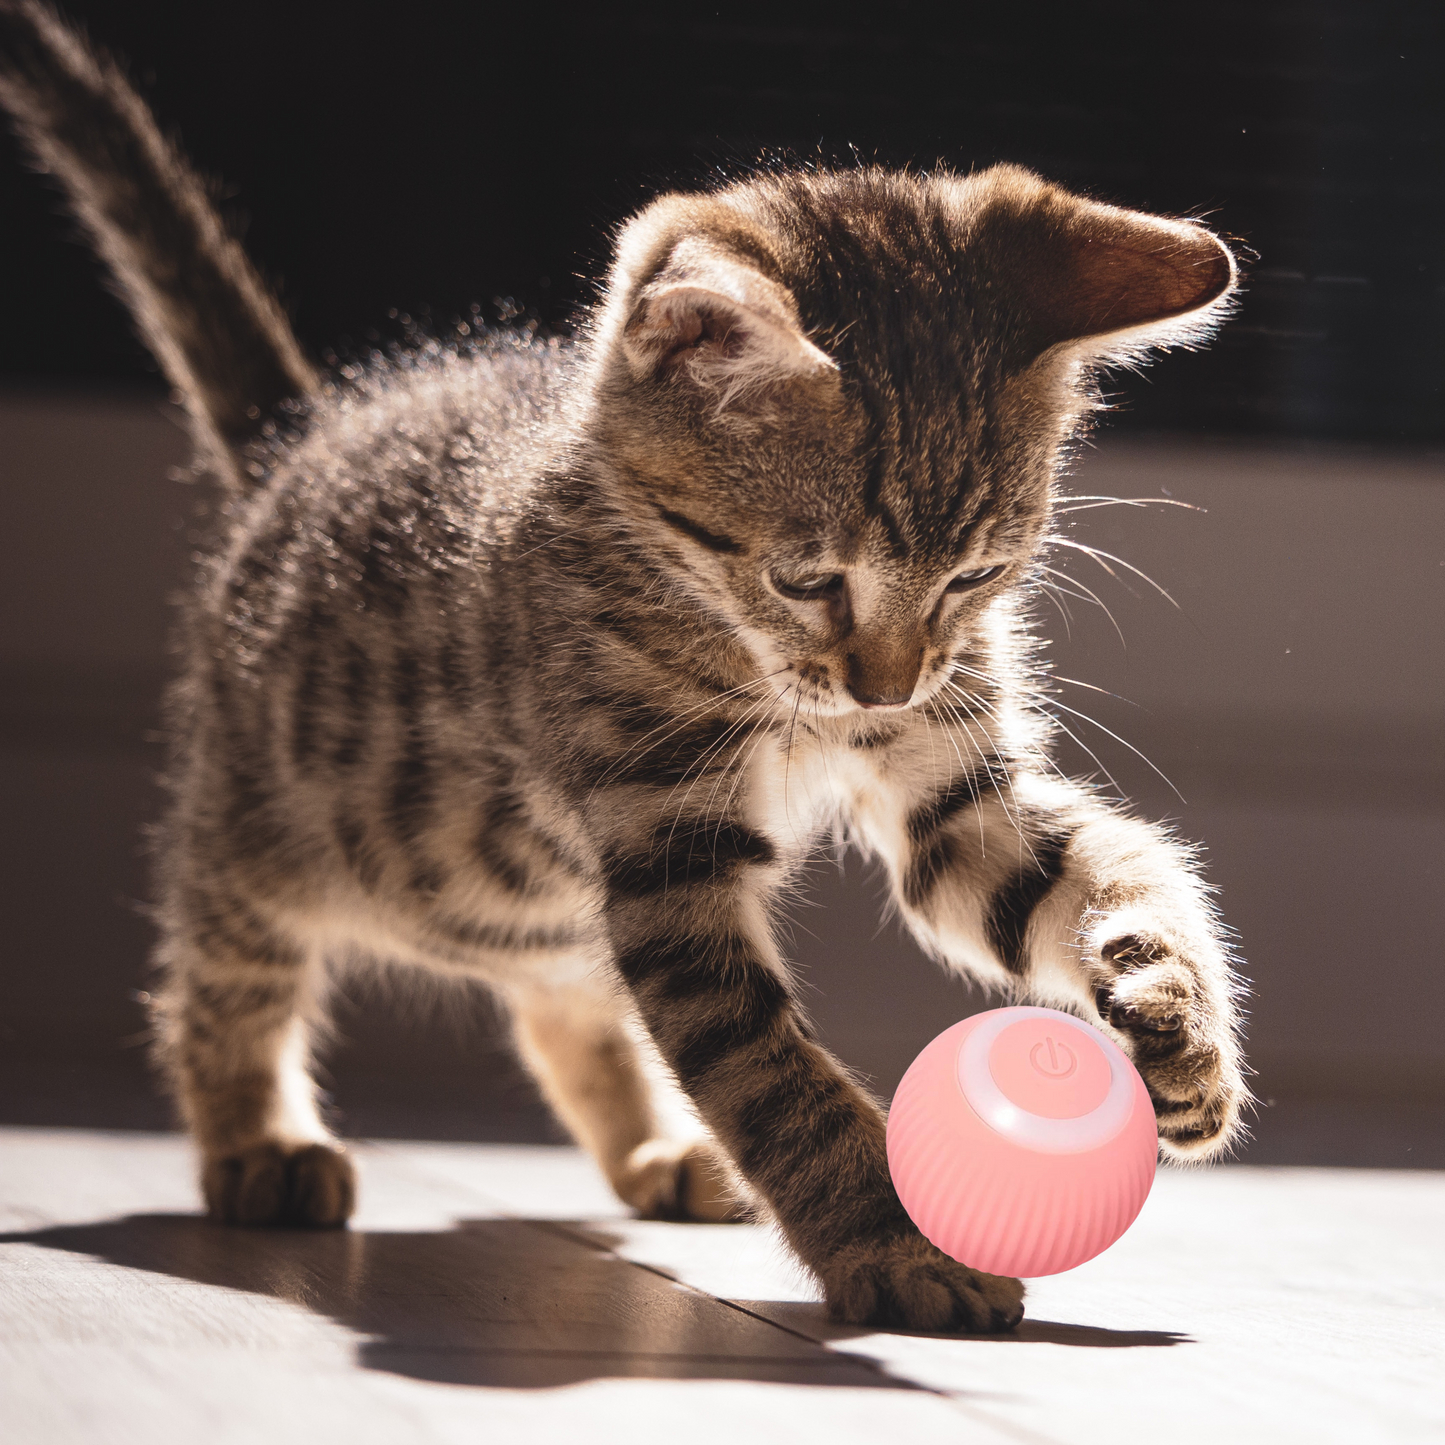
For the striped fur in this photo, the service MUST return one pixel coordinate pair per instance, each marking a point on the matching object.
(545, 664)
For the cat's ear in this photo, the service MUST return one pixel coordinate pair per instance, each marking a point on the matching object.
(720, 325)
(1111, 280)
(1133, 274)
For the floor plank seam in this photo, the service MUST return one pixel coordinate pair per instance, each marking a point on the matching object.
(886, 1375)
(580, 1237)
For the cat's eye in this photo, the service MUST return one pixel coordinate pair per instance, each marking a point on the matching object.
(824, 587)
(966, 580)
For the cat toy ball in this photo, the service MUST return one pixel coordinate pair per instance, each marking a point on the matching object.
(1022, 1142)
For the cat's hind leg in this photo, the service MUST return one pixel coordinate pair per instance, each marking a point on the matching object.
(235, 1017)
(577, 1044)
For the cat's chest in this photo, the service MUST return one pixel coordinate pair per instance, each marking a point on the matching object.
(804, 785)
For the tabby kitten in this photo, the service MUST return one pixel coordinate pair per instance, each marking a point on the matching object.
(546, 664)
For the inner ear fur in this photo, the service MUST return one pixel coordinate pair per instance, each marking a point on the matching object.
(719, 323)
(1078, 271)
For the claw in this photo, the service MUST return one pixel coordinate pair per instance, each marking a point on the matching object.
(1129, 1019)
(1122, 1016)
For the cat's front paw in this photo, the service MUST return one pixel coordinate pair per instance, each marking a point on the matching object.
(1181, 1045)
(905, 1283)
(313, 1185)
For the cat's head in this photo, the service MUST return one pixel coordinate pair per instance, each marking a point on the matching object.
(834, 403)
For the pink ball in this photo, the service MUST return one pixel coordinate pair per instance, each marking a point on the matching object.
(1022, 1141)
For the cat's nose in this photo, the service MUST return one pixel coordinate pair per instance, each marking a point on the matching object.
(884, 679)
(899, 699)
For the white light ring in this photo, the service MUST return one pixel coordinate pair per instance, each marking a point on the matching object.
(1033, 1131)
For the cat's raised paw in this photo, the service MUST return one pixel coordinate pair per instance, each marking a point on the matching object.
(312, 1186)
(907, 1284)
(1182, 1048)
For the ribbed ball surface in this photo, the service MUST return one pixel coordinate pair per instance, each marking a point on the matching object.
(997, 1205)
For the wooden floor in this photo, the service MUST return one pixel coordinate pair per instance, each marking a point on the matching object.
(496, 1293)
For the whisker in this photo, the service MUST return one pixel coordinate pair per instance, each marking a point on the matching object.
(1091, 596)
(760, 735)
(1081, 503)
(928, 732)
(1074, 682)
(1017, 822)
(679, 721)
(978, 811)
(735, 765)
(1124, 741)
(752, 723)
(788, 756)
(1070, 733)
(698, 769)
(1104, 558)
(1062, 608)
(1064, 591)
(823, 753)
(974, 673)
(1040, 754)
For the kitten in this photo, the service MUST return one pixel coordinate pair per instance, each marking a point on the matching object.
(545, 664)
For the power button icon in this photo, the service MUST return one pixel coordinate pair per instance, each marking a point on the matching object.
(1051, 1069)
(1051, 1058)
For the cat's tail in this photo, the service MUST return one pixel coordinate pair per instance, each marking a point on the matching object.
(200, 306)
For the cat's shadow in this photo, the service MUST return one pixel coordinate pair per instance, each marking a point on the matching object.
(521, 1304)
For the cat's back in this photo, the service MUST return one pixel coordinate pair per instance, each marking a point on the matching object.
(409, 478)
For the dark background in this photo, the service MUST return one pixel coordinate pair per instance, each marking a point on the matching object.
(460, 155)
(438, 156)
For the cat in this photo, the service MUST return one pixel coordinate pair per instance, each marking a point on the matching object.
(545, 663)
